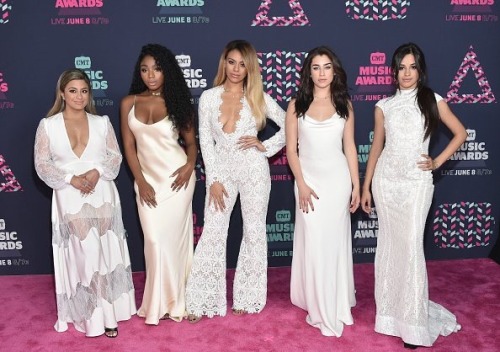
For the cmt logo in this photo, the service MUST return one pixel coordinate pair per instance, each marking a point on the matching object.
(96, 76)
(283, 215)
(463, 225)
(299, 17)
(4, 11)
(193, 76)
(377, 77)
(377, 58)
(381, 10)
(281, 73)
(10, 183)
(471, 135)
(470, 62)
(2, 224)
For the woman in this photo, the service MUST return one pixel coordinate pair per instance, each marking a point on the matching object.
(231, 114)
(322, 155)
(154, 116)
(402, 189)
(77, 155)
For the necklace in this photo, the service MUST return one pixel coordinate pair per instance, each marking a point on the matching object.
(156, 94)
(233, 93)
(325, 97)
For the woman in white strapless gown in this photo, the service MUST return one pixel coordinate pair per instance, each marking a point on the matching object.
(322, 155)
(153, 118)
(402, 188)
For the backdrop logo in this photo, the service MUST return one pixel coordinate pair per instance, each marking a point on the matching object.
(364, 150)
(365, 233)
(374, 81)
(180, 11)
(278, 165)
(377, 10)
(463, 225)
(281, 73)
(5, 9)
(197, 229)
(472, 11)
(79, 12)
(193, 76)
(280, 234)
(470, 158)
(99, 84)
(470, 63)
(299, 17)
(4, 88)
(8, 181)
(10, 246)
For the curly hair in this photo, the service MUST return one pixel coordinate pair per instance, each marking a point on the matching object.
(425, 95)
(175, 90)
(338, 87)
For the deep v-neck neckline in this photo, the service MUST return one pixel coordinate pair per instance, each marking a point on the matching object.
(240, 115)
(69, 141)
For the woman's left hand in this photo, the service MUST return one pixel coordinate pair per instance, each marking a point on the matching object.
(428, 164)
(355, 199)
(183, 175)
(246, 142)
(92, 177)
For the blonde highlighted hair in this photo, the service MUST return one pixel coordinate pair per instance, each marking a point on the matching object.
(66, 77)
(252, 85)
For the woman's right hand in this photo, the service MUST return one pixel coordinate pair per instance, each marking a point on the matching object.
(82, 184)
(147, 194)
(305, 198)
(366, 201)
(217, 193)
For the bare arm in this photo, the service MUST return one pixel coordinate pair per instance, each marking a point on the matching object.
(291, 132)
(352, 159)
(184, 172)
(375, 151)
(146, 192)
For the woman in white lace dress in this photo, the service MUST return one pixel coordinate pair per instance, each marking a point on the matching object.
(402, 189)
(76, 154)
(230, 115)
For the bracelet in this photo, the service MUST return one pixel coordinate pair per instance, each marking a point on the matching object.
(434, 164)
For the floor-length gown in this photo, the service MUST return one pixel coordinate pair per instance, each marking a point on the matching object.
(92, 272)
(322, 281)
(403, 195)
(167, 228)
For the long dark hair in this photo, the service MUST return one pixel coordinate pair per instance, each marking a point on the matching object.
(338, 87)
(425, 96)
(175, 90)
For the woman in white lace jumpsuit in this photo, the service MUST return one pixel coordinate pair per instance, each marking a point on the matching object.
(231, 114)
(402, 187)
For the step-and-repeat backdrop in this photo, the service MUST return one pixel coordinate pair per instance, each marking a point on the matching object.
(40, 39)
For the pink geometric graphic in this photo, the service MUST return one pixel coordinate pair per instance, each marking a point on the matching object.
(377, 10)
(299, 18)
(4, 11)
(281, 73)
(10, 184)
(470, 61)
(463, 225)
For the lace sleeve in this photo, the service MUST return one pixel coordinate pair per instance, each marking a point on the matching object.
(277, 114)
(111, 163)
(44, 164)
(207, 145)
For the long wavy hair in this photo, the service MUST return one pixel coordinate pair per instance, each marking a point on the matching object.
(175, 91)
(425, 95)
(338, 88)
(252, 84)
(66, 77)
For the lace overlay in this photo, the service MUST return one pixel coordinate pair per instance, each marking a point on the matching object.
(240, 171)
(403, 195)
(92, 269)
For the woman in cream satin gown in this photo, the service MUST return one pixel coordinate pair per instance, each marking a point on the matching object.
(164, 178)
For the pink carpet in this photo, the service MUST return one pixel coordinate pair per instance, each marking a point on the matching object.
(469, 288)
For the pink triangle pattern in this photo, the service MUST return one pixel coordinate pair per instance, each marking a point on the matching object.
(463, 225)
(377, 10)
(281, 73)
(11, 184)
(470, 62)
(299, 17)
(4, 14)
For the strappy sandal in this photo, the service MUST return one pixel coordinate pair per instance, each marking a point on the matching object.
(111, 332)
(193, 319)
(239, 312)
(165, 317)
